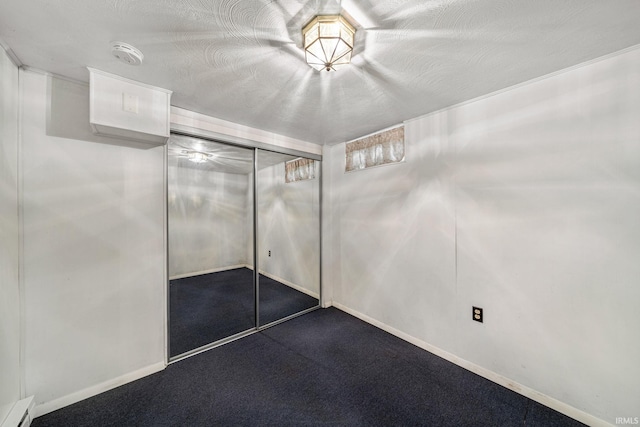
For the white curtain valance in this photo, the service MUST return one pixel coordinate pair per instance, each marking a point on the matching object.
(379, 149)
(299, 170)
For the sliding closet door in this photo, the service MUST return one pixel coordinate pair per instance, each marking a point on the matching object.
(210, 236)
(288, 198)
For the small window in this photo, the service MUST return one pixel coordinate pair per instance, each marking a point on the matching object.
(375, 150)
(299, 170)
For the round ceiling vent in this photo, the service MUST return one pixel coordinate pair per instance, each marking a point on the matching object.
(127, 53)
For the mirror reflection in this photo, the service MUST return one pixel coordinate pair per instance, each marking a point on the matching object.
(213, 291)
(210, 226)
(288, 235)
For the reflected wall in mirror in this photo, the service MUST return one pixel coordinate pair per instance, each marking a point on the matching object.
(210, 238)
(288, 195)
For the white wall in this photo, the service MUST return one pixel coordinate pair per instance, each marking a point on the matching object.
(207, 219)
(94, 256)
(9, 238)
(288, 226)
(526, 203)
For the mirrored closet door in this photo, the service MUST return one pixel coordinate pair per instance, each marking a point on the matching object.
(218, 195)
(210, 240)
(288, 196)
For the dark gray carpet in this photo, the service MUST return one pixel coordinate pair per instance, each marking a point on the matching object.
(325, 368)
(210, 307)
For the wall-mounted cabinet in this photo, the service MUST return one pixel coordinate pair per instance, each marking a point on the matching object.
(126, 109)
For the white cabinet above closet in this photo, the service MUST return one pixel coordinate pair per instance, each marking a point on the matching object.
(129, 110)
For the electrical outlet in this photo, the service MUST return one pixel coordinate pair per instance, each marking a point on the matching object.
(269, 253)
(477, 314)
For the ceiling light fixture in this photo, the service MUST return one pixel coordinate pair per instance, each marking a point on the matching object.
(328, 42)
(197, 157)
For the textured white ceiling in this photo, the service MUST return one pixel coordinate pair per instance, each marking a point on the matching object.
(240, 60)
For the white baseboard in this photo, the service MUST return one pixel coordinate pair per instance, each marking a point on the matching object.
(61, 402)
(200, 273)
(21, 414)
(523, 390)
(290, 284)
(286, 282)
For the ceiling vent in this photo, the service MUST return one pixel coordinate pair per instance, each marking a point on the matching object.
(127, 53)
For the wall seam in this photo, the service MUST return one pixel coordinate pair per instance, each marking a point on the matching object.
(21, 282)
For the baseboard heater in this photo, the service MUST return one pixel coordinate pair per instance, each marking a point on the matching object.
(21, 414)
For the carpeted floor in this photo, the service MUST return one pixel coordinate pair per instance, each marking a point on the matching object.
(210, 307)
(325, 368)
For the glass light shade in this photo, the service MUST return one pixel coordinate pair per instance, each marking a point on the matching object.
(197, 157)
(328, 42)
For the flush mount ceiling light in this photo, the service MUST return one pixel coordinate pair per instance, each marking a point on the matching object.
(328, 42)
(197, 157)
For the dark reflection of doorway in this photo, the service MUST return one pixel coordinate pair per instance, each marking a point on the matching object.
(214, 306)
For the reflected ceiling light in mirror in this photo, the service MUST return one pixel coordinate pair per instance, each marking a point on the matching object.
(197, 157)
(328, 42)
